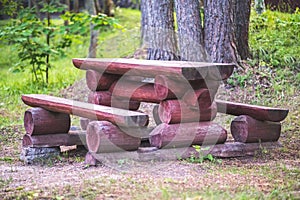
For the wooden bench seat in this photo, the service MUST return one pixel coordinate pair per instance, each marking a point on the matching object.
(117, 116)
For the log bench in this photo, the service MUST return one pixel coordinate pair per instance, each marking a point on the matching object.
(186, 107)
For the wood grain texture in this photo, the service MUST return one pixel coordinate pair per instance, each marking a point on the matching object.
(38, 121)
(103, 136)
(177, 111)
(151, 68)
(54, 140)
(134, 91)
(247, 130)
(97, 112)
(105, 98)
(186, 134)
(97, 81)
(257, 112)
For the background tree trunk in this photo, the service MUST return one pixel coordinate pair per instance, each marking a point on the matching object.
(219, 36)
(108, 7)
(190, 32)
(76, 6)
(241, 22)
(159, 31)
(90, 6)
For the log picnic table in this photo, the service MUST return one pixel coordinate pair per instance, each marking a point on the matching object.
(186, 106)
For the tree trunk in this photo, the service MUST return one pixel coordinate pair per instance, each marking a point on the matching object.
(91, 8)
(241, 23)
(76, 6)
(219, 37)
(158, 32)
(108, 8)
(190, 32)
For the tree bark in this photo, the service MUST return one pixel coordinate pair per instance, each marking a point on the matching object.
(158, 31)
(38, 121)
(103, 136)
(241, 23)
(219, 37)
(190, 32)
(76, 6)
(247, 130)
(186, 134)
(108, 8)
(91, 8)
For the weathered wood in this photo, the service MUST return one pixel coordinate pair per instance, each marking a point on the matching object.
(257, 112)
(226, 150)
(105, 98)
(246, 129)
(54, 140)
(155, 115)
(186, 134)
(115, 115)
(39, 121)
(90, 159)
(176, 111)
(151, 68)
(136, 91)
(97, 81)
(103, 136)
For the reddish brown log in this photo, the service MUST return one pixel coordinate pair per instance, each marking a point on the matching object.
(105, 98)
(200, 97)
(97, 81)
(226, 150)
(38, 121)
(103, 136)
(54, 140)
(186, 134)
(170, 88)
(115, 115)
(155, 115)
(136, 91)
(246, 129)
(151, 68)
(176, 111)
(257, 112)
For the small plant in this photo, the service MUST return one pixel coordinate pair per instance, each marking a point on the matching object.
(201, 156)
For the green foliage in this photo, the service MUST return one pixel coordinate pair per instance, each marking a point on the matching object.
(201, 156)
(37, 40)
(275, 39)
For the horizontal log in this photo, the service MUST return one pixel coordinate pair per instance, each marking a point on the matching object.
(39, 121)
(103, 136)
(97, 112)
(151, 68)
(176, 111)
(186, 134)
(105, 98)
(246, 129)
(135, 91)
(226, 150)
(262, 113)
(54, 140)
(175, 88)
(97, 81)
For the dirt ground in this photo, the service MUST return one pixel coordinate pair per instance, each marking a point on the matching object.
(272, 174)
